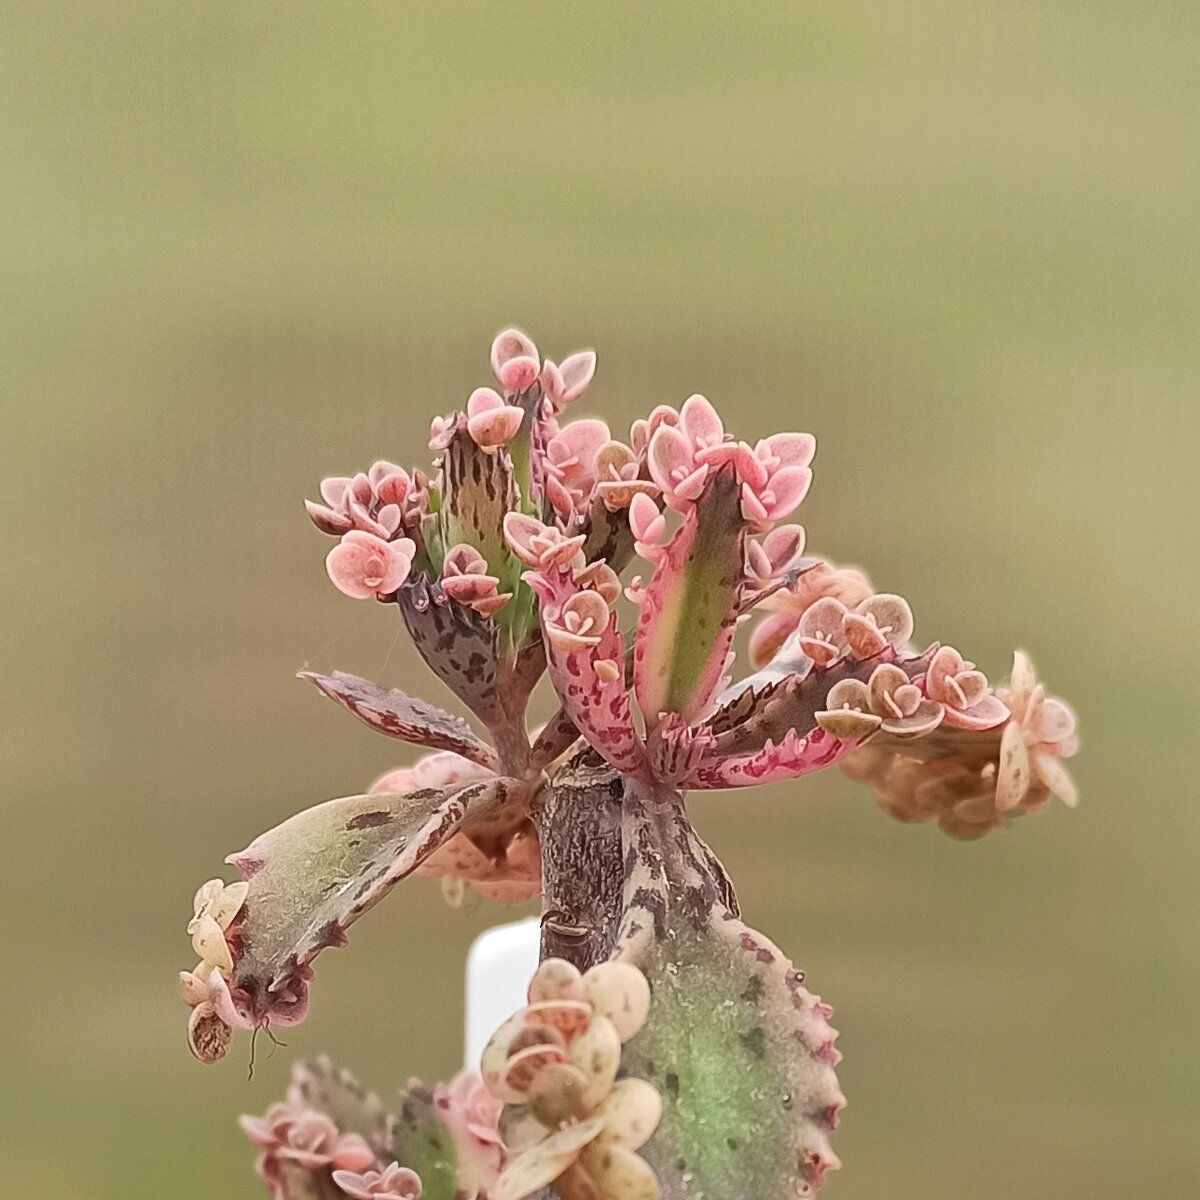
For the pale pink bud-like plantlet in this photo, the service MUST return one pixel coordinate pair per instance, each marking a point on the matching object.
(362, 565)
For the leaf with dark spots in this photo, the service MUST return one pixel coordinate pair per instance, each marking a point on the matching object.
(369, 820)
(421, 1142)
(766, 708)
(741, 1054)
(557, 736)
(608, 536)
(457, 644)
(399, 715)
(332, 1090)
(313, 876)
(478, 491)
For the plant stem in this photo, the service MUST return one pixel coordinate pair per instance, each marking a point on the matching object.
(583, 869)
(607, 843)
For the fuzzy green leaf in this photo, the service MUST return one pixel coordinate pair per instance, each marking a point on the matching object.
(421, 1142)
(314, 875)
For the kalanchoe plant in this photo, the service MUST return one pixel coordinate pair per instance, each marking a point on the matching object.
(668, 1049)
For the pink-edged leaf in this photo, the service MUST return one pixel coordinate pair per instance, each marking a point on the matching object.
(690, 608)
(591, 686)
(399, 715)
(785, 698)
(313, 876)
(741, 1054)
(577, 370)
(590, 682)
(793, 756)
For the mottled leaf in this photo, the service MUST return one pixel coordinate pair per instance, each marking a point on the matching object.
(315, 874)
(477, 491)
(609, 536)
(457, 644)
(332, 1090)
(479, 488)
(402, 716)
(557, 736)
(792, 757)
(740, 1052)
(421, 1142)
(769, 705)
(591, 683)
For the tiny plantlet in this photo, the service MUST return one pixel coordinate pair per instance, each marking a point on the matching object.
(668, 1049)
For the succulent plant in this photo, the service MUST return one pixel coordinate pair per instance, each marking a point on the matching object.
(668, 1048)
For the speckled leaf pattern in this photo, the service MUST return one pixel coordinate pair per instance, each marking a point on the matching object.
(792, 757)
(457, 644)
(399, 715)
(477, 491)
(597, 702)
(609, 537)
(332, 1090)
(315, 874)
(741, 1053)
(689, 612)
(421, 1142)
(557, 736)
(765, 708)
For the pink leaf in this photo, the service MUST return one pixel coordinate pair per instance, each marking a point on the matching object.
(792, 757)
(594, 699)
(510, 344)
(700, 423)
(577, 371)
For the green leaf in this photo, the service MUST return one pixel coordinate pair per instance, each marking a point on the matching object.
(314, 875)
(479, 488)
(740, 1052)
(422, 1143)
(689, 612)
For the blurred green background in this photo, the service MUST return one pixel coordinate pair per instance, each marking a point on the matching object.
(243, 245)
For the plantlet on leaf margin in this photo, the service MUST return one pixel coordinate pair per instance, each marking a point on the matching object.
(506, 562)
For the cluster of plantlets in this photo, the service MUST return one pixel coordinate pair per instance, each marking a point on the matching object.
(506, 563)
